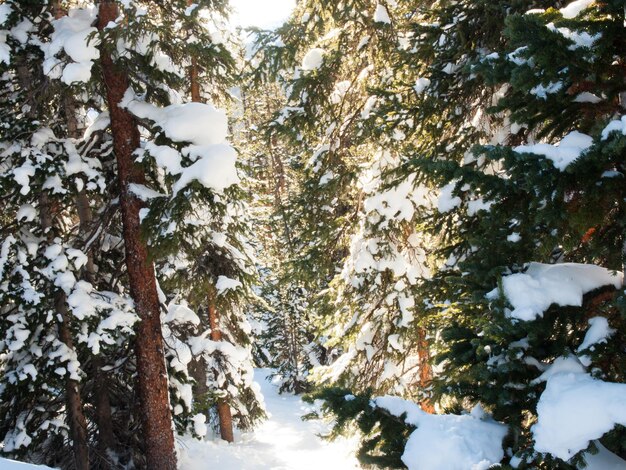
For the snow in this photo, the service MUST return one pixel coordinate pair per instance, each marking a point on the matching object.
(313, 59)
(202, 125)
(583, 39)
(603, 460)
(224, 284)
(282, 442)
(450, 442)
(167, 158)
(7, 464)
(381, 15)
(572, 10)
(447, 201)
(575, 409)
(214, 169)
(562, 153)
(198, 123)
(26, 212)
(5, 11)
(598, 332)
(618, 125)
(542, 91)
(74, 35)
(531, 293)
(421, 84)
(586, 97)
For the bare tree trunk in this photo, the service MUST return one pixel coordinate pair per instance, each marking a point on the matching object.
(223, 408)
(425, 370)
(151, 371)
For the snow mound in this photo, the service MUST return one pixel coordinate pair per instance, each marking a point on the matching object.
(618, 125)
(451, 442)
(531, 293)
(215, 168)
(72, 34)
(572, 10)
(381, 15)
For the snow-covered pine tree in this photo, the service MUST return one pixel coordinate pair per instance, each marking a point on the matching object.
(195, 221)
(510, 351)
(545, 344)
(62, 319)
(283, 320)
(331, 118)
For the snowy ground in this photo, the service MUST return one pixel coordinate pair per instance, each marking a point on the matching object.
(282, 442)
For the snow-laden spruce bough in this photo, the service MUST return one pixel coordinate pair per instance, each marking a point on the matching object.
(433, 194)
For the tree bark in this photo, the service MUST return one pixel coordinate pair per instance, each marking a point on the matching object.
(223, 408)
(75, 413)
(152, 380)
(425, 369)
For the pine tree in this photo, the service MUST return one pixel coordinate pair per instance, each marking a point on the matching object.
(65, 309)
(549, 76)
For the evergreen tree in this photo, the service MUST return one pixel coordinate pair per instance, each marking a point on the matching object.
(550, 80)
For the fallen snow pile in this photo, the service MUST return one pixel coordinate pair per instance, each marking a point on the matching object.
(532, 292)
(451, 442)
(283, 442)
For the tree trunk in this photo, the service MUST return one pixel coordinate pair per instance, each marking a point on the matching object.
(152, 380)
(223, 408)
(425, 370)
(198, 369)
(75, 413)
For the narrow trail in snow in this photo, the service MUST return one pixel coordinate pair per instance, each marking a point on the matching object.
(282, 442)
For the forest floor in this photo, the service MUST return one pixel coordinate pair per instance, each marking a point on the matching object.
(282, 442)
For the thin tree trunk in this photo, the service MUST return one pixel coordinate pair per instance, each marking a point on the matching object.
(75, 413)
(199, 370)
(103, 416)
(425, 369)
(223, 408)
(198, 365)
(151, 371)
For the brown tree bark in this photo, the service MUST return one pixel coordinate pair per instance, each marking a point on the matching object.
(75, 412)
(223, 408)
(151, 371)
(425, 369)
